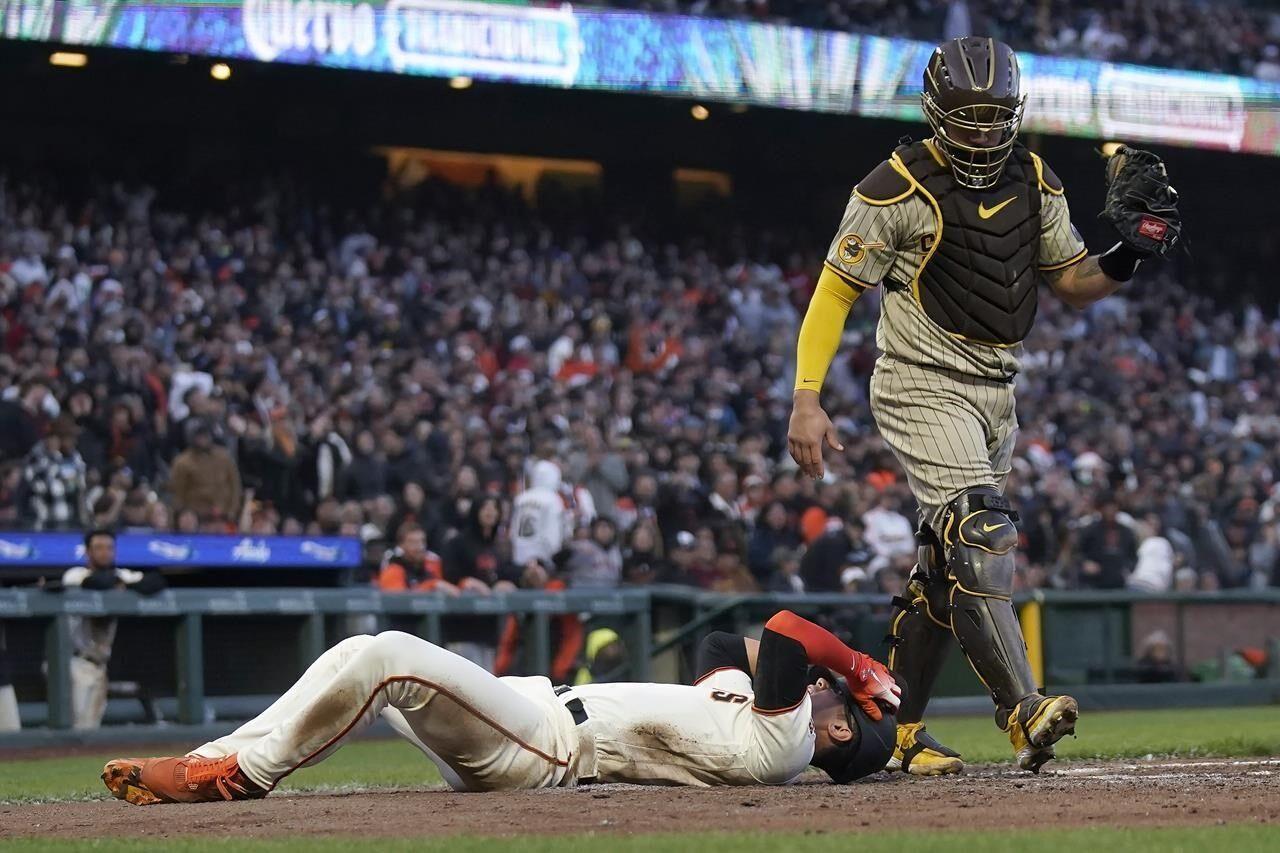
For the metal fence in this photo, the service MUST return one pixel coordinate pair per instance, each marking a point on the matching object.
(224, 639)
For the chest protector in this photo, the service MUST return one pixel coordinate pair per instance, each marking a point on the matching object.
(980, 280)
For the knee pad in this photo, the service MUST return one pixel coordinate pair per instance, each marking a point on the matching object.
(978, 536)
(927, 595)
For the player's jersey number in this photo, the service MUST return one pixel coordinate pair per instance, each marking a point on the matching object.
(733, 698)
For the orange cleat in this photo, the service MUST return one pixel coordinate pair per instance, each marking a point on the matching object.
(189, 779)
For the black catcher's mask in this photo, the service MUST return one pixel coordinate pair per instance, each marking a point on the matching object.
(973, 101)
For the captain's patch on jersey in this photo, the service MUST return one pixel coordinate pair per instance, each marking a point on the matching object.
(853, 249)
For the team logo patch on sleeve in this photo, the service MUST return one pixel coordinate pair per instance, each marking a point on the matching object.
(853, 249)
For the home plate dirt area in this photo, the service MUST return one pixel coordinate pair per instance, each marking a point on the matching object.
(1081, 794)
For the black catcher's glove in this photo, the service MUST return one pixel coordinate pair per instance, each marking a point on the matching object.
(1141, 205)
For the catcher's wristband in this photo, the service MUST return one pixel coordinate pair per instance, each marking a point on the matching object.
(1119, 263)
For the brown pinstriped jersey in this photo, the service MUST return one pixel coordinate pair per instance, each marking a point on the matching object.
(887, 242)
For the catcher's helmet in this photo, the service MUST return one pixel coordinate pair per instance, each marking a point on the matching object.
(872, 745)
(973, 101)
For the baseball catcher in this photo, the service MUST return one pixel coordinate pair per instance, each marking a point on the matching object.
(961, 229)
(761, 713)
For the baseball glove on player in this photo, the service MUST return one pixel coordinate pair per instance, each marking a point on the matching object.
(1141, 204)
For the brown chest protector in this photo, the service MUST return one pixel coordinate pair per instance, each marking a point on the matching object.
(980, 281)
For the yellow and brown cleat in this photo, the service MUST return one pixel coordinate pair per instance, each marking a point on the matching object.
(187, 779)
(919, 754)
(1036, 724)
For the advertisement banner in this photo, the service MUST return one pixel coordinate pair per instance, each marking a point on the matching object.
(140, 550)
(735, 61)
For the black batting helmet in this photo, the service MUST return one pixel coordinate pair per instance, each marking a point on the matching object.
(973, 101)
(871, 747)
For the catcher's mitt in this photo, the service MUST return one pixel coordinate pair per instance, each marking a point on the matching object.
(1141, 204)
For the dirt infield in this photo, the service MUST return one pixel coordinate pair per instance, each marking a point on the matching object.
(1130, 793)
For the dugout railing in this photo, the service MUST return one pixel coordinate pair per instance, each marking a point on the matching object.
(1086, 640)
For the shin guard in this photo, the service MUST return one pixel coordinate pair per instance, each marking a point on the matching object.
(979, 538)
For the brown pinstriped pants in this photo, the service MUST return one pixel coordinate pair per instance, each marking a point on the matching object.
(951, 431)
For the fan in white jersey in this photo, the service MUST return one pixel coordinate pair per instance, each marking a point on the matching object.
(761, 713)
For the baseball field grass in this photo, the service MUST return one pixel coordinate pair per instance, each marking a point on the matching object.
(1184, 733)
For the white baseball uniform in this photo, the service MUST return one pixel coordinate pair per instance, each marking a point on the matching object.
(487, 733)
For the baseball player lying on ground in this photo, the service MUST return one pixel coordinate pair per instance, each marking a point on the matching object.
(760, 713)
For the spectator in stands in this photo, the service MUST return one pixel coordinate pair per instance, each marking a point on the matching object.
(91, 636)
(595, 561)
(732, 574)
(1108, 549)
(54, 480)
(20, 419)
(787, 576)
(272, 461)
(601, 471)
(642, 560)
(329, 457)
(682, 497)
(682, 559)
(1153, 571)
(205, 478)
(603, 655)
(415, 508)
(10, 494)
(695, 404)
(774, 530)
(540, 522)
(1155, 663)
(472, 557)
(640, 505)
(824, 561)
(92, 440)
(366, 475)
(412, 567)
(888, 531)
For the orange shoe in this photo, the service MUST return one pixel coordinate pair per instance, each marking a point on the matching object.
(189, 779)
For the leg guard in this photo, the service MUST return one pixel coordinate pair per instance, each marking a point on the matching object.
(920, 639)
(979, 537)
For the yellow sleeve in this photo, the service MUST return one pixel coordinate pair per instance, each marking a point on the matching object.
(823, 325)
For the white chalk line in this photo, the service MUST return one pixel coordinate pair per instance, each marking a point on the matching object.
(1165, 777)
(1157, 765)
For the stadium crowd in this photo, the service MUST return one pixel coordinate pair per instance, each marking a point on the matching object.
(1226, 37)
(496, 394)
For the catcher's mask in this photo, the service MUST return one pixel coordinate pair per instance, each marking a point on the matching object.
(973, 101)
(871, 747)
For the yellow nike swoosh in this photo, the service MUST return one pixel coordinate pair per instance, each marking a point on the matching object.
(988, 212)
(987, 528)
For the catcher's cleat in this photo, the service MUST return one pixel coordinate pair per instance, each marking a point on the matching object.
(189, 779)
(919, 754)
(1036, 724)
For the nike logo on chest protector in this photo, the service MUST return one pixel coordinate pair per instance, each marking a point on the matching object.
(985, 212)
(980, 281)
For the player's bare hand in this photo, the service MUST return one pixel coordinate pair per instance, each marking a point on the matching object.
(809, 428)
(872, 686)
